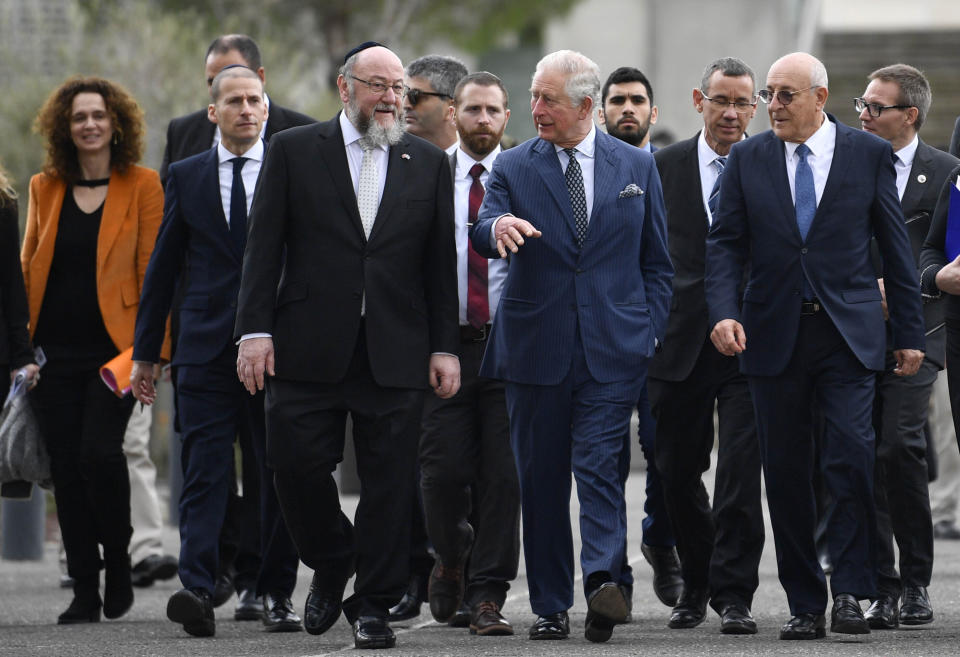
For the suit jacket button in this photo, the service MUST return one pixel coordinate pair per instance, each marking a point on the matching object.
(803, 250)
(579, 271)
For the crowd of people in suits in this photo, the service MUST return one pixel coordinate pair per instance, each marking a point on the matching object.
(490, 320)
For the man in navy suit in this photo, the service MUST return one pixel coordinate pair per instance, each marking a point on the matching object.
(798, 206)
(202, 237)
(585, 300)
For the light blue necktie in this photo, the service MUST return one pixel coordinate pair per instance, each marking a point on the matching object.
(804, 192)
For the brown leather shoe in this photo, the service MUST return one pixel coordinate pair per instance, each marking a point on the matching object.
(486, 620)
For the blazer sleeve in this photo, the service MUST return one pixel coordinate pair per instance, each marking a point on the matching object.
(149, 216)
(496, 203)
(159, 282)
(440, 268)
(932, 255)
(654, 254)
(15, 312)
(728, 246)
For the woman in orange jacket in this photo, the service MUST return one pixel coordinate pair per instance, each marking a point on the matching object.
(92, 219)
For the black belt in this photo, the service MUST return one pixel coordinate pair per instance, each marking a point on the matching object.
(811, 307)
(470, 334)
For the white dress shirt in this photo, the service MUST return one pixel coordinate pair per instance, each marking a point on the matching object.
(249, 173)
(452, 148)
(263, 128)
(586, 150)
(497, 268)
(351, 142)
(821, 144)
(904, 163)
(706, 157)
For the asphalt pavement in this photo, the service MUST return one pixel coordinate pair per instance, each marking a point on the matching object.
(30, 600)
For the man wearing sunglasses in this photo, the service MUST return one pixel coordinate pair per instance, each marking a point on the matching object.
(428, 103)
(719, 548)
(797, 208)
(894, 107)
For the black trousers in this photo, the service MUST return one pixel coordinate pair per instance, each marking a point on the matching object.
(900, 478)
(240, 536)
(953, 371)
(467, 472)
(305, 439)
(720, 548)
(83, 424)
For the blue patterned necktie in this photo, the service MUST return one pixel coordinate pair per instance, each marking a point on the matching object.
(238, 204)
(804, 192)
(578, 198)
(714, 198)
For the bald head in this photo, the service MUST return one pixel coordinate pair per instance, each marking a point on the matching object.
(797, 88)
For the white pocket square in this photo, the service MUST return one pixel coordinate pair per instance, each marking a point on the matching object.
(630, 190)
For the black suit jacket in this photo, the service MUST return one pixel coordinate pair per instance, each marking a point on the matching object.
(193, 133)
(955, 139)
(688, 324)
(15, 351)
(305, 237)
(194, 235)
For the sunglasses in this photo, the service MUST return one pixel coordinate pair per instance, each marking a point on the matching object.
(416, 95)
(785, 97)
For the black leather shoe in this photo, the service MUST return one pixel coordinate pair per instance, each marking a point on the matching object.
(278, 614)
(193, 608)
(690, 611)
(606, 607)
(804, 627)
(627, 592)
(736, 619)
(249, 606)
(409, 605)
(445, 590)
(461, 618)
(222, 589)
(551, 626)
(117, 587)
(154, 568)
(883, 614)
(916, 609)
(82, 609)
(667, 581)
(847, 617)
(373, 632)
(323, 607)
(946, 529)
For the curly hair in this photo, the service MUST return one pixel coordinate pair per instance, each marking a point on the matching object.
(53, 123)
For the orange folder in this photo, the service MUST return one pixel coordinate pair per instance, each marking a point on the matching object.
(116, 373)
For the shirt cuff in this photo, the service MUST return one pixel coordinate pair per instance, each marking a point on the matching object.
(248, 336)
(444, 353)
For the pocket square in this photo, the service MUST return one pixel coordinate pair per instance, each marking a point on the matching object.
(630, 190)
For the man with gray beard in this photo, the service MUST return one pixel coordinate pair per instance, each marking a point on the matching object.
(348, 303)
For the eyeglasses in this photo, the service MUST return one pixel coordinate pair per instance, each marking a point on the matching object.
(875, 109)
(415, 95)
(785, 97)
(380, 88)
(739, 106)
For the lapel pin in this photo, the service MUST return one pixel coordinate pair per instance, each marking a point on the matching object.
(404, 156)
(921, 179)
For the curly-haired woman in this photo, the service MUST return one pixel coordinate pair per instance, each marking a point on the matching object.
(92, 219)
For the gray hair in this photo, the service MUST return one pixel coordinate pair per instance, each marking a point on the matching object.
(818, 74)
(914, 88)
(235, 71)
(729, 67)
(582, 74)
(443, 73)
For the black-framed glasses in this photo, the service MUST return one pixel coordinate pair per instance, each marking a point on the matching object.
(739, 106)
(415, 95)
(380, 88)
(875, 109)
(785, 97)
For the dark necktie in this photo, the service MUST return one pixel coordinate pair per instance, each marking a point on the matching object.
(578, 198)
(238, 205)
(714, 198)
(804, 192)
(478, 304)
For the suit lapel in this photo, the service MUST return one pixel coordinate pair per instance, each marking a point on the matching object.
(119, 197)
(393, 188)
(209, 187)
(605, 179)
(333, 152)
(922, 166)
(547, 165)
(691, 164)
(777, 169)
(838, 170)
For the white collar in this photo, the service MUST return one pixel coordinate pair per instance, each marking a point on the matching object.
(351, 134)
(255, 152)
(908, 152)
(819, 140)
(465, 162)
(588, 145)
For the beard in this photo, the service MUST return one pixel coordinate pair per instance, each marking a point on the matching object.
(480, 142)
(634, 138)
(372, 130)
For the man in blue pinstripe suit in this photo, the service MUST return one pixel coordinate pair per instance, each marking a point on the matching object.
(583, 306)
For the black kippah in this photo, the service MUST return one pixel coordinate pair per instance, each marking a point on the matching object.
(363, 46)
